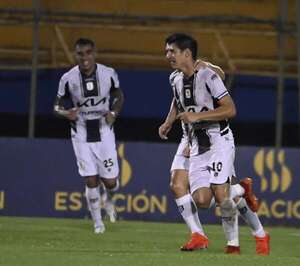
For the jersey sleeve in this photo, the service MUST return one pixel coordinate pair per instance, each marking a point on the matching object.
(63, 87)
(172, 77)
(115, 79)
(216, 86)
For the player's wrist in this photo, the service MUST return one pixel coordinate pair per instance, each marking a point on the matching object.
(60, 111)
(114, 114)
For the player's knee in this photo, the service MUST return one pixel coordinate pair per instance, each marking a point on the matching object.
(178, 189)
(201, 202)
(92, 181)
(112, 184)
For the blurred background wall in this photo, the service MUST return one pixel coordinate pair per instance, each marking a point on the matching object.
(254, 41)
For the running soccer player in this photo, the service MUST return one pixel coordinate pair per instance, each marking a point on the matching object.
(97, 100)
(204, 106)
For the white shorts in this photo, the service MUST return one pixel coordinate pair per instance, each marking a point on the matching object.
(97, 158)
(180, 162)
(215, 166)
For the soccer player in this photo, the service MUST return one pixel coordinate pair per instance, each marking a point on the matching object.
(180, 184)
(203, 104)
(180, 188)
(96, 100)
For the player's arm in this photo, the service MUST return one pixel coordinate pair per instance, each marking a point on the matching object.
(200, 63)
(60, 111)
(225, 110)
(117, 97)
(164, 129)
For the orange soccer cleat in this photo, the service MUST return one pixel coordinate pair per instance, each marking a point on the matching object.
(235, 250)
(196, 242)
(249, 196)
(263, 245)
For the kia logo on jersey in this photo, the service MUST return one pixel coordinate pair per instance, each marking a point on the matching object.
(91, 102)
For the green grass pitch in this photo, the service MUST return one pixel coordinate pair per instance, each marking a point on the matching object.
(42, 242)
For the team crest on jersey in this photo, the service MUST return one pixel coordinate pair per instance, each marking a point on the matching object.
(188, 94)
(89, 86)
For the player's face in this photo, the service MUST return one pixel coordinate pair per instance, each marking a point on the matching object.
(85, 56)
(175, 56)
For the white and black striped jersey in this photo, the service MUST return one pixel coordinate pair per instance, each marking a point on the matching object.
(199, 93)
(91, 95)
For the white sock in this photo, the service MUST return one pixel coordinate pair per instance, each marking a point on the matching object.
(108, 203)
(189, 213)
(236, 190)
(235, 233)
(228, 213)
(93, 202)
(250, 218)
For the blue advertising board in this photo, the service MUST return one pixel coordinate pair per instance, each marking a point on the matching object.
(39, 178)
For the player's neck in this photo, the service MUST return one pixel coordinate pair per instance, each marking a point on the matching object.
(88, 72)
(188, 69)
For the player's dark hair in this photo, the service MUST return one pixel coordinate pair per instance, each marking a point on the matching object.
(84, 41)
(183, 41)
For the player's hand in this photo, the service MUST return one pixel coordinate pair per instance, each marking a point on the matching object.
(110, 118)
(218, 70)
(164, 129)
(72, 114)
(199, 64)
(186, 152)
(188, 117)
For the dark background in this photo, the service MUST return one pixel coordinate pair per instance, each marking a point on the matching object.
(147, 100)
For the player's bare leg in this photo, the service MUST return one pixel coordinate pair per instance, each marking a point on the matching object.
(228, 209)
(111, 186)
(204, 199)
(179, 183)
(199, 240)
(188, 210)
(233, 245)
(93, 201)
(247, 207)
(107, 203)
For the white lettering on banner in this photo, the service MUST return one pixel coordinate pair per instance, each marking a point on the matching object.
(65, 201)
(139, 203)
(280, 209)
